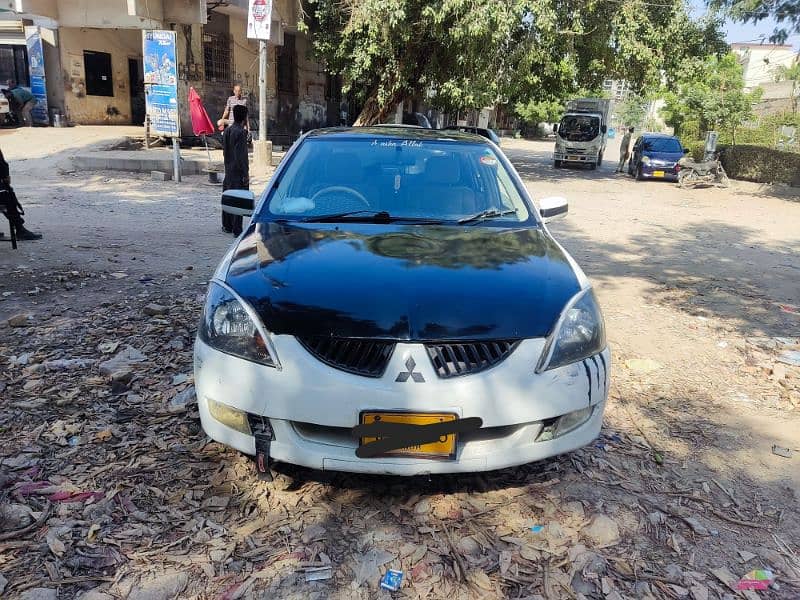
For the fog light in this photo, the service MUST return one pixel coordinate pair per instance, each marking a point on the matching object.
(553, 428)
(233, 418)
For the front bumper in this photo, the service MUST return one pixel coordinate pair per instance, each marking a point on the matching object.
(667, 172)
(312, 407)
(573, 157)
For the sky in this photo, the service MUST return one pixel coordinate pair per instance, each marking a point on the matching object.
(746, 32)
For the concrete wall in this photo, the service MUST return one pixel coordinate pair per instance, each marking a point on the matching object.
(81, 108)
(52, 67)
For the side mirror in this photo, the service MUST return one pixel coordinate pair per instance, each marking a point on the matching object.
(604, 129)
(686, 151)
(555, 127)
(238, 202)
(553, 207)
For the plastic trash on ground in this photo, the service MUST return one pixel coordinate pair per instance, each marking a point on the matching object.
(392, 580)
(757, 579)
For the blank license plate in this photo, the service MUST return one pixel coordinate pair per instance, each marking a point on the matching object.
(444, 448)
(658, 173)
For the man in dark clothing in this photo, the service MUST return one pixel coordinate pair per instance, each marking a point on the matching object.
(237, 167)
(11, 206)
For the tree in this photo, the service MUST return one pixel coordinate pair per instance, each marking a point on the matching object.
(475, 53)
(786, 13)
(632, 111)
(711, 92)
(792, 74)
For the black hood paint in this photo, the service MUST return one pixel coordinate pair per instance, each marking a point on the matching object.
(402, 282)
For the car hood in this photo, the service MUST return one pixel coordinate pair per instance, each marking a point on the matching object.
(401, 282)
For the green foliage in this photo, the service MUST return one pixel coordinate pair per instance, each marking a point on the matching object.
(711, 92)
(545, 111)
(474, 53)
(631, 112)
(762, 165)
(786, 13)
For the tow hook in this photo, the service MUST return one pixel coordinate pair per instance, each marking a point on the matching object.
(264, 436)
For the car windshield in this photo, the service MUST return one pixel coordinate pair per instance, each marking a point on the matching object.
(662, 145)
(579, 128)
(397, 178)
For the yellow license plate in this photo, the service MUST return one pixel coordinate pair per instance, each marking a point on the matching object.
(658, 173)
(445, 447)
(572, 158)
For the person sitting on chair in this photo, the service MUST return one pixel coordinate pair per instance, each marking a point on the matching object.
(11, 206)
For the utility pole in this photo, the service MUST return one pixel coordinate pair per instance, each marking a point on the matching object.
(259, 20)
(262, 149)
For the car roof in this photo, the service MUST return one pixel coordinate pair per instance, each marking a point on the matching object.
(395, 132)
(658, 135)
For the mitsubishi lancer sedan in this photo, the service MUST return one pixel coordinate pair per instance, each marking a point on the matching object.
(397, 305)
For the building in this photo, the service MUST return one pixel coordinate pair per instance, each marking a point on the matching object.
(618, 90)
(94, 71)
(762, 63)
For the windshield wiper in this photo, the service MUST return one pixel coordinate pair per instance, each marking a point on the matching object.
(492, 213)
(367, 216)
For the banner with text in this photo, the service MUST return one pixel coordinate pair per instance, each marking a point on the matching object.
(161, 82)
(33, 40)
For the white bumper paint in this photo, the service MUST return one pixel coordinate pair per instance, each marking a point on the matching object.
(306, 390)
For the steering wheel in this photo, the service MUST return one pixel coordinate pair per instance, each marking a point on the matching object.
(341, 188)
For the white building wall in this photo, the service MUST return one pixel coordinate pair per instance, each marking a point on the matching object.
(762, 62)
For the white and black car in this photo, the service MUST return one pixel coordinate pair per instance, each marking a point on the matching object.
(398, 306)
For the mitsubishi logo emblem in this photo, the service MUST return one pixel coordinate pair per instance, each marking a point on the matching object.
(403, 376)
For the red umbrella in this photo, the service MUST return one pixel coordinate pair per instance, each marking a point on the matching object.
(201, 124)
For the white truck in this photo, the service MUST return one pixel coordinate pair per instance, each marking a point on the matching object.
(581, 134)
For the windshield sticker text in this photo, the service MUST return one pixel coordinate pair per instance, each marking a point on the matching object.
(396, 143)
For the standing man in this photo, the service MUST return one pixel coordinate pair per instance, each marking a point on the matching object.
(237, 166)
(236, 100)
(24, 101)
(625, 149)
(10, 205)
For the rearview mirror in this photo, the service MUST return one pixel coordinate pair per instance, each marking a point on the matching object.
(553, 207)
(238, 202)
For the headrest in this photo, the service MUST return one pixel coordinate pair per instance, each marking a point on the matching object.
(338, 163)
(444, 169)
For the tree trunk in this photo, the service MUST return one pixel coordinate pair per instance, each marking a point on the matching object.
(373, 112)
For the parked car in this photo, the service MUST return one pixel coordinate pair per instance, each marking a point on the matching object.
(397, 305)
(415, 118)
(481, 131)
(656, 155)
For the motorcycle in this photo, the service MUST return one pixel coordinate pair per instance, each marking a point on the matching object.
(709, 172)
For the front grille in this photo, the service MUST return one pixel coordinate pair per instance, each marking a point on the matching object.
(360, 357)
(453, 360)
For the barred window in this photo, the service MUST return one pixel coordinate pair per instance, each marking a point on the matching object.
(218, 57)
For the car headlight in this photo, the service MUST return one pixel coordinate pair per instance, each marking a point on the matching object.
(228, 326)
(645, 160)
(579, 333)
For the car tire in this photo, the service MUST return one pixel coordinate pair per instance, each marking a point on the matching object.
(600, 160)
(557, 164)
(592, 166)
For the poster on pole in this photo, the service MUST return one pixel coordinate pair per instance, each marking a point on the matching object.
(259, 19)
(161, 82)
(33, 40)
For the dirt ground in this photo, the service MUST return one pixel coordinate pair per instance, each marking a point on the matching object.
(109, 489)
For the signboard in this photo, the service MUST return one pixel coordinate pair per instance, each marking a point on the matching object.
(33, 40)
(161, 82)
(259, 19)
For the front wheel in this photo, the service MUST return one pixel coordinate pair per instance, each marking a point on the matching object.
(557, 164)
(600, 160)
